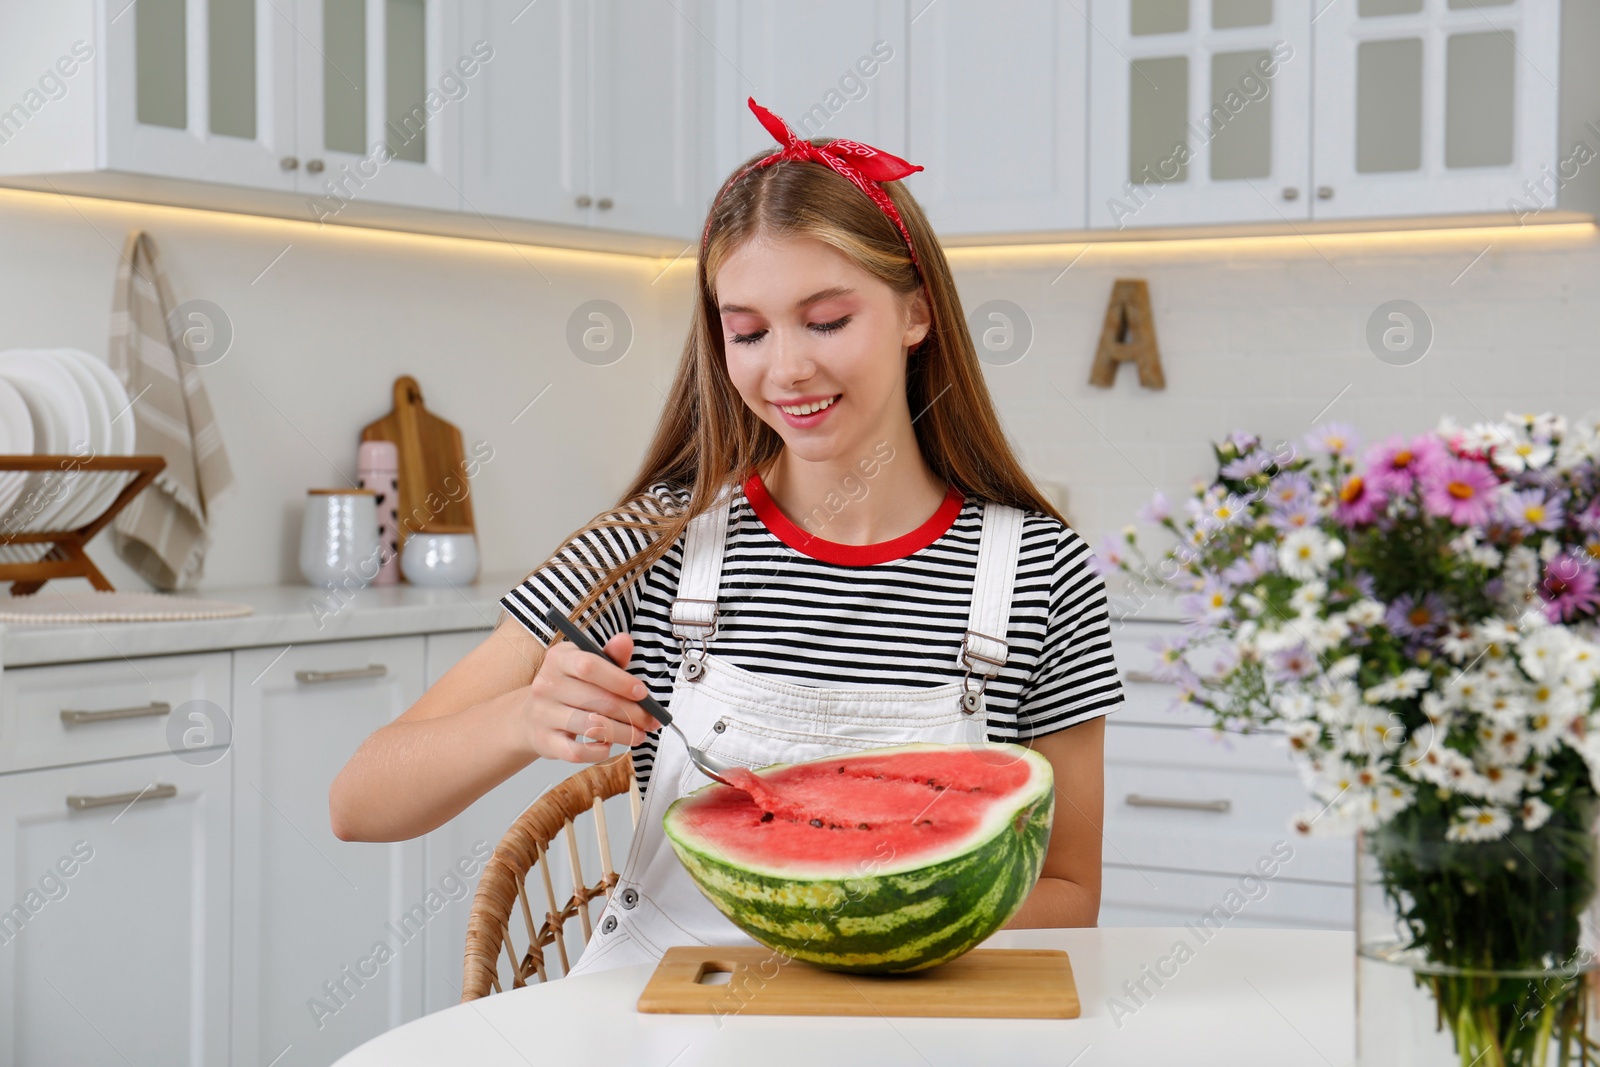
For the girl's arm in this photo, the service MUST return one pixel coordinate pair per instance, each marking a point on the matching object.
(479, 724)
(1068, 890)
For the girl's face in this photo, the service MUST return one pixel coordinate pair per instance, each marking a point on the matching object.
(801, 323)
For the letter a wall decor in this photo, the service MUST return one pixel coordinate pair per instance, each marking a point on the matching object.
(1128, 336)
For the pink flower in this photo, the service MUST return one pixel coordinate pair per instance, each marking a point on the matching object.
(1395, 465)
(1460, 490)
(1360, 500)
(1569, 587)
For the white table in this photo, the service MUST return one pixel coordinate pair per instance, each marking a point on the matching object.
(1244, 997)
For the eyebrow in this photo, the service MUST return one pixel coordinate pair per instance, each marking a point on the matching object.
(821, 294)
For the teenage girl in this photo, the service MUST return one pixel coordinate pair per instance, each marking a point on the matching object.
(829, 546)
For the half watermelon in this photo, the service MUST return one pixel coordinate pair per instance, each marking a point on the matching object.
(876, 862)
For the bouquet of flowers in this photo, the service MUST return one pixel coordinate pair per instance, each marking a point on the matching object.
(1420, 622)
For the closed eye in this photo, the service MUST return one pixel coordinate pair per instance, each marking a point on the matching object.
(819, 327)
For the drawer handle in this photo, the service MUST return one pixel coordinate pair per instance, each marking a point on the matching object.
(375, 670)
(73, 717)
(1137, 801)
(153, 792)
(1135, 675)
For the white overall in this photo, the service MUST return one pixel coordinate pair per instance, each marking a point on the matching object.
(756, 720)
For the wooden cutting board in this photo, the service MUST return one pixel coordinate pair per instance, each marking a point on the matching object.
(987, 983)
(432, 462)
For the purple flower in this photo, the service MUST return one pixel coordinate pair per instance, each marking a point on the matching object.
(1416, 617)
(1360, 501)
(1242, 441)
(1531, 509)
(1247, 569)
(1110, 558)
(1460, 490)
(1296, 516)
(1296, 662)
(1336, 439)
(1569, 587)
(1209, 605)
(1157, 511)
(1289, 489)
(1395, 466)
(1247, 465)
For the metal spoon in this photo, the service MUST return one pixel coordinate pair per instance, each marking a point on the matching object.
(709, 765)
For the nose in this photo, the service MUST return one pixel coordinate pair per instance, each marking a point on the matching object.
(791, 360)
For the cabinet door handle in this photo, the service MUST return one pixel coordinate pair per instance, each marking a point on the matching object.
(1324, 192)
(151, 792)
(1135, 675)
(604, 203)
(289, 163)
(375, 670)
(584, 201)
(1291, 193)
(314, 166)
(73, 717)
(1137, 801)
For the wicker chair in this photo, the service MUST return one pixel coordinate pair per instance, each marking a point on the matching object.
(505, 879)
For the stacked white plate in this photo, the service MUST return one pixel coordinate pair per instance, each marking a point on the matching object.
(58, 401)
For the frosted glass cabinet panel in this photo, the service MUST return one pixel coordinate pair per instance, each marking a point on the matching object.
(381, 85)
(1433, 106)
(201, 89)
(1198, 112)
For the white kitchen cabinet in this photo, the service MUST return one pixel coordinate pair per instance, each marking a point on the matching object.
(831, 68)
(114, 939)
(327, 933)
(1434, 106)
(1199, 112)
(998, 114)
(590, 114)
(378, 107)
(466, 841)
(1188, 813)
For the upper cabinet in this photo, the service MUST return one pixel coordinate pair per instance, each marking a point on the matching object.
(1030, 116)
(201, 90)
(1200, 112)
(999, 114)
(589, 115)
(1433, 105)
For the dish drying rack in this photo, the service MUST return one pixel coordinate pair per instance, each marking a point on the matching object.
(66, 558)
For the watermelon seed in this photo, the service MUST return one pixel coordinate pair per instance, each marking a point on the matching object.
(816, 822)
(863, 826)
(766, 816)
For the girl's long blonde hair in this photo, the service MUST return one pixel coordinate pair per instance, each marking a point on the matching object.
(708, 436)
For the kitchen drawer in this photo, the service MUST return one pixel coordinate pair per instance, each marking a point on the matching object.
(117, 706)
(1212, 820)
(1150, 897)
(1195, 746)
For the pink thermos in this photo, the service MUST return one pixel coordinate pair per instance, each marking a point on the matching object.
(378, 468)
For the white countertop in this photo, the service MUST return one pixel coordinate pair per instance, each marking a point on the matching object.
(1244, 996)
(284, 614)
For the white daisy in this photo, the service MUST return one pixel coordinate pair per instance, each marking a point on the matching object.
(1535, 813)
(1475, 823)
(1306, 553)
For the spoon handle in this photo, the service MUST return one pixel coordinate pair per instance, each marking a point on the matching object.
(585, 642)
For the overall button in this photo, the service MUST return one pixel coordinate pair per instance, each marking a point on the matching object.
(629, 897)
(609, 925)
(719, 726)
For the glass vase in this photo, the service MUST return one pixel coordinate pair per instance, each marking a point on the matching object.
(1477, 953)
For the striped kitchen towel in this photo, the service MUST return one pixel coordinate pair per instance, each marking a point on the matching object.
(162, 532)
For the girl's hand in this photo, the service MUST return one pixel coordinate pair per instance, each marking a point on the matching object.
(577, 695)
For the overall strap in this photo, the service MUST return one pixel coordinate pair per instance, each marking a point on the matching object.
(983, 646)
(694, 609)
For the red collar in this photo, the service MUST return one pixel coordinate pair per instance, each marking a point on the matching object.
(802, 541)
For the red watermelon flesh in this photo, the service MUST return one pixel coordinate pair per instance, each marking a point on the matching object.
(841, 812)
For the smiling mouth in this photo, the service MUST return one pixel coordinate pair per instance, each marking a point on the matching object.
(809, 409)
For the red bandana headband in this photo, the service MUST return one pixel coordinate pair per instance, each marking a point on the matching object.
(864, 165)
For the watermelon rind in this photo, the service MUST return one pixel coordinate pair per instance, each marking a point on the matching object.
(901, 915)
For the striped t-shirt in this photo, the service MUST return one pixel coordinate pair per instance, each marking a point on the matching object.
(821, 613)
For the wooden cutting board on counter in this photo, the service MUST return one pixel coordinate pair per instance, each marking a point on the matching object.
(986, 983)
(432, 462)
